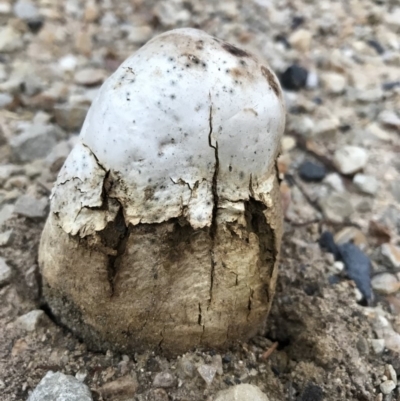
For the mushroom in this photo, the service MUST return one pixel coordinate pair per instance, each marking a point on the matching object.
(165, 221)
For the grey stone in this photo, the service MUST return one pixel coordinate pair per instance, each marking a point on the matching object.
(241, 392)
(10, 39)
(5, 272)
(207, 372)
(121, 389)
(164, 380)
(364, 205)
(30, 321)
(5, 100)
(378, 345)
(185, 368)
(8, 170)
(60, 387)
(326, 126)
(6, 238)
(89, 77)
(385, 283)
(366, 183)
(81, 375)
(350, 159)
(391, 373)
(387, 386)
(334, 82)
(217, 363)
(139, 34)
(391, 255)
(370, 95)
(5, 213)
(395, 189)
(389, 118)
(336, 207)
(35, 142)
(70, 116)
(302, 124)
(334, 181)
(31, 207)
(26, 10)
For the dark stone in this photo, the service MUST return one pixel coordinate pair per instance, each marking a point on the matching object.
(376, 46)
(297, 21)
(312, 172)
(312, 392)
(327, 243)
(357, 264)
(318, 100)
(358, 268)
(332, 280)
(35, 25)
(387, 86)
(294, 78)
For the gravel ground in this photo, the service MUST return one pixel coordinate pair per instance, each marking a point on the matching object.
(329, 336)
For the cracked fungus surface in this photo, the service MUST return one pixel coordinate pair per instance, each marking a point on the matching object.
(187, 122)
(165, 220)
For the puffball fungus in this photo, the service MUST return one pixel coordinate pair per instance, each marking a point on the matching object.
(165, 221)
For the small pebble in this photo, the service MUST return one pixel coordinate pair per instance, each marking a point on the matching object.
(30, 321)
(301, 40)
(326, 126)
(376, 46)
(389, 118)
(312, 172)
(26, 10)
(31, 207)
(123, 388)
(81, 375)
(58, 386)
(387, 386)
(89, 77)
(334, 83)
(350, 234)
(336, 207)
(6, 100)
(6, 238)
(242, 392)
(391, 373)
(334, 181)
(6, 211)
(5, 272)
(294, 78)
(350, 159)
(288, 143)
(385, 283)
(378, 345)
(391, 255)
(366, 183)
(207, 372)
(358, 268)
(164, 380)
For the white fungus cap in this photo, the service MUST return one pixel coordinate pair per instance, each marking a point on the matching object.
(186, 123)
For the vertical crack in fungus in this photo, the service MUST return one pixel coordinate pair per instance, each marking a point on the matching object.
(115, 236)
(257, 223)
(214, 188)
(200, 317)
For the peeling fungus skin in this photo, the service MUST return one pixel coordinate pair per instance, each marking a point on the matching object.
(165, 221)
(156, 125)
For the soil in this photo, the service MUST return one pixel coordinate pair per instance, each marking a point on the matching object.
(320, 337)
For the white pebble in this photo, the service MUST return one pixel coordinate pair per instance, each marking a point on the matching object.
(387, 386)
